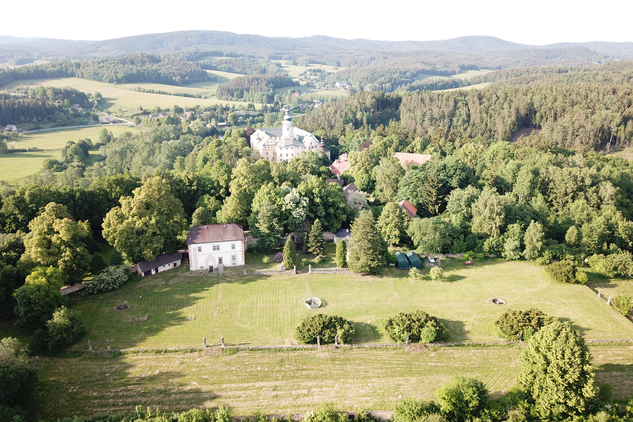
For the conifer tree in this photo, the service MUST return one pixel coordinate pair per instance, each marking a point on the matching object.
(290, 254)
(341, 254)
(316, 243)
(367, 250)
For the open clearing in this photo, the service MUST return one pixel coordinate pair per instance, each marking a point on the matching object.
(294, 71)
(14, 167)
(285, 381)
(264, 310)
(122, 101)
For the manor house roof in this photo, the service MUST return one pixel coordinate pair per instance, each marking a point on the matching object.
(214, 233)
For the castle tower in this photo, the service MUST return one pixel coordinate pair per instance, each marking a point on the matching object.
(287, 129)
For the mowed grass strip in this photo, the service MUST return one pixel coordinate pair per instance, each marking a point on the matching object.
(264, 310)
(54, 139)
(286, 381)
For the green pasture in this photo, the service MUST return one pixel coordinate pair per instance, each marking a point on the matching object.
(122, 101)
(183, 308)
(281, 382)
(17, 166)
(14, 167)
(464, 75)
(57, 139)
(467, 88)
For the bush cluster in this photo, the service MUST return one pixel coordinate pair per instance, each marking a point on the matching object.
(623, 304)
(111, 278)
(566, 272)
(326, 326)
(512, 323)
(63, 329)
(418, 326)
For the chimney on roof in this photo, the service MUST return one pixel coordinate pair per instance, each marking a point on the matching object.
(225, 225)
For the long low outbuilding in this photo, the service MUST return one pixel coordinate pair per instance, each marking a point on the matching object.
(414, 260)
(403, 262)
(161, 263)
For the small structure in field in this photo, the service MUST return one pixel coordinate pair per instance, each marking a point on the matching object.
(313, 302)
(162, 263)
(414, 260)
(403, 262)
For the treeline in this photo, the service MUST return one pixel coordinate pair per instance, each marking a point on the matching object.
(41, 105)
(256, 88)
(241, 65)
(577, 116)
(158, 91)
(128, 69)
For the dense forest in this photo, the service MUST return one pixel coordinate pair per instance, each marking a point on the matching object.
(43, 105)
(128, 69)
(254, 88)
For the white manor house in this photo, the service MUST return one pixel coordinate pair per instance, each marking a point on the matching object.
(285, 142)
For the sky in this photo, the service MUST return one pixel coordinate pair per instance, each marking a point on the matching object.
(536, 22)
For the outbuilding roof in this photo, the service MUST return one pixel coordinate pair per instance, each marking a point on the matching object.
(166, 258)
(409, 208)
(214, 233)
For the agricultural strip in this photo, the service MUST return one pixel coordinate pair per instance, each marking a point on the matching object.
(285, 381)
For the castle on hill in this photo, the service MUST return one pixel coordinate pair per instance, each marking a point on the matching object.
(286, 142)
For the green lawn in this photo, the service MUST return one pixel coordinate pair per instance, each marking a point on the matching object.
(285, 381)
(263, 310)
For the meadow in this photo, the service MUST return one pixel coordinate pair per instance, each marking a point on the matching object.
(15, 167)
(123, 102)
(284, 381)
(182, 307)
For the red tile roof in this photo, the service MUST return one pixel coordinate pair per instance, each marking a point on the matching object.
(338, 167)
(409, 208)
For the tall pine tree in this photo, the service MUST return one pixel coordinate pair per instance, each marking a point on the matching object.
(341, 254)
(290, 254)
(316, 243)
(367, 249)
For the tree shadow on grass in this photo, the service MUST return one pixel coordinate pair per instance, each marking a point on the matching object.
(114, 383)
(618, 375)
(453, 278)
(365, 332)
(456, 330)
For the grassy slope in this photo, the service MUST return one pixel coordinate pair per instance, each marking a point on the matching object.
(124, 102)
(265, 310)
(285, 381)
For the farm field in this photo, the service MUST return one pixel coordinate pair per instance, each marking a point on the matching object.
(17, 166)
(277, 381)
(464, 75)
(294, 71)
(122, 101)
(263, 310)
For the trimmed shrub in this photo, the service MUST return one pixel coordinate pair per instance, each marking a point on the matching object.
(279, 257)
(109, 279)
(266, 259)
(413, 324)
(512, 323)
(326, 326)
(436, 273)
(623, 304)
(566, 272)
(412, 410)
(341, 254)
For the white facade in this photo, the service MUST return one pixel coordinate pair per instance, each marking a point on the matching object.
(285, 143)
(207, 256)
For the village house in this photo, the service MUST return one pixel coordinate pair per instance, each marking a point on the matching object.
(215, 246)
(340, 165)
(409, 208)
(284, 143)
(162, 263)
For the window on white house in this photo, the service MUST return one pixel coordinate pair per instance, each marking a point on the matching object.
(199, 248)
(233, 259)
(216, 247)
(232, 246)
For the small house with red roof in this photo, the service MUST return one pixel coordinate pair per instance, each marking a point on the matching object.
(409, 208)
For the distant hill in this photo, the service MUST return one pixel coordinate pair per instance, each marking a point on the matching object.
(496, 53)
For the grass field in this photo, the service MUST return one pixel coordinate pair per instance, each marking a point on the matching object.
(294, 71)
(14, 167)
(122, 101)
(259, 310)
(286, 381)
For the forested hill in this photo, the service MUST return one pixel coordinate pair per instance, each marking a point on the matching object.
(587, 108)
(464, 49)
